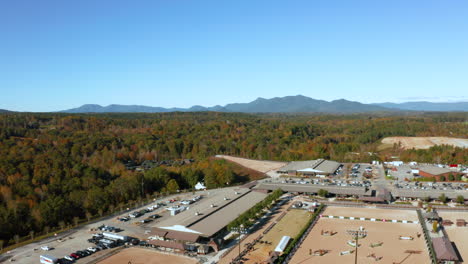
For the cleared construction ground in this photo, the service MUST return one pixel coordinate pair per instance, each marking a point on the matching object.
(258, 165)
(387, 247)
(423, 142)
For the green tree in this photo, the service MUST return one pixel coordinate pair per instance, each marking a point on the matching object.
(460, 199)
(435, 226)
(172, 186)
(322, 193)
(442, 178)
(443, 198)
(451, 177)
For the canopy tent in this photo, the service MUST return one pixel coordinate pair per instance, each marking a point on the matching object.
(310, 170)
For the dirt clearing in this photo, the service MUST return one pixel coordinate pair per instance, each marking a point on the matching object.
(424, 142)
(146, 256)
(258, 165)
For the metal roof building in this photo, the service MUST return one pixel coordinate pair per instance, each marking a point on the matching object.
(313, 188)
(209, 216)
(319, 166)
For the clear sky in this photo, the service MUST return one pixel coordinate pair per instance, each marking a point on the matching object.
(56, 55)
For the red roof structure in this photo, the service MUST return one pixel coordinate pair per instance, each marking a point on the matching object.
(444, 249)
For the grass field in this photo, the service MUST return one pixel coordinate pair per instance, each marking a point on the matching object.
(290, 225)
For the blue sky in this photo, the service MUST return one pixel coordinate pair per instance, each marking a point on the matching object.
(56, 55)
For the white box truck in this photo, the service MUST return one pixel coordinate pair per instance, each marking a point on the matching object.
(48, 259)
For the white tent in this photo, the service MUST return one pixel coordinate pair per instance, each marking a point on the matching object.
(200, 186)
(310, 170)
(282, 244)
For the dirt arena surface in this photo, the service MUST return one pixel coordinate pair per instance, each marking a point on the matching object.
(290, 225)
(258, 165)
(146, 256)
(410, 215)
(391, 251)
(458, 235)
(425, 142)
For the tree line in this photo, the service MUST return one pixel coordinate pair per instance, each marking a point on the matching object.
(55, 168)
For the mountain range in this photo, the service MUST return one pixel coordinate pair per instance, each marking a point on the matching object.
(287, 104)
(428, 106)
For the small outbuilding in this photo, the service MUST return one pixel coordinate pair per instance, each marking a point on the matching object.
(445, 252)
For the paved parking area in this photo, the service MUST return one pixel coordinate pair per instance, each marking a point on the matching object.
(76, 239)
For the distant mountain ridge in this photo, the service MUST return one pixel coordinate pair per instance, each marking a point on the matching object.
(287, 104)
(427, 106)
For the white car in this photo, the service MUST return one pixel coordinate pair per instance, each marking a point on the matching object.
(92, 249)
(69, 258)
(46, 248)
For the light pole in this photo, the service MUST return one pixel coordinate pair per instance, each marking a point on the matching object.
(241, 230)
(356, 234)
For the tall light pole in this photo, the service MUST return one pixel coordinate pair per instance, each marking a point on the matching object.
(356, 234)
(241, 230)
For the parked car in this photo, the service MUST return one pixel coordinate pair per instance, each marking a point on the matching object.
(155, 216)
(46, 248)
(92, 249)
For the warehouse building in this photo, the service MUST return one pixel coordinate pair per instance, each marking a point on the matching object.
(310, 168)
(204, 223)
(436, 172)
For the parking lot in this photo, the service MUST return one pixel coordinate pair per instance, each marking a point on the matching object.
(79, 239)
(322, 182)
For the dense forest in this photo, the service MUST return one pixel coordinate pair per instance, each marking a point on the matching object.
(57, 168)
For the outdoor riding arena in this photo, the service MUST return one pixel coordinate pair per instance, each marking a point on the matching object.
(146, 256)
(388, 236)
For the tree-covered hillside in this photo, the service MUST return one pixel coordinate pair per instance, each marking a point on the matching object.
(55, 168)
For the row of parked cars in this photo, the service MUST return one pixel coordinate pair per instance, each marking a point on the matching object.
(431, 186)
(327, 182)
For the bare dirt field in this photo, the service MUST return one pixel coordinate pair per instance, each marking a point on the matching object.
(458, 235)
(289, 225)
(424, 142)
(258, 165)
(377, 213)
(146, 256)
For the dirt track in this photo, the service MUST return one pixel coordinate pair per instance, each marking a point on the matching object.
(425, 142)
(258, 165)
(146, 256)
